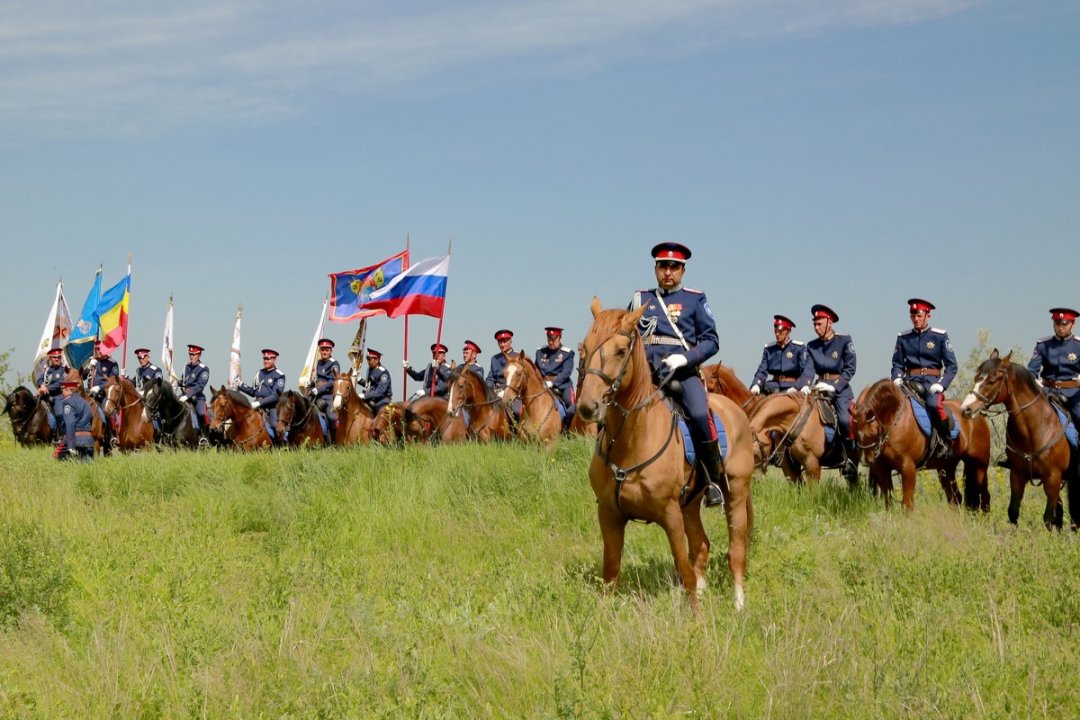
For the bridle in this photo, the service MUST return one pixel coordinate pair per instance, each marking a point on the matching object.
(526, 400)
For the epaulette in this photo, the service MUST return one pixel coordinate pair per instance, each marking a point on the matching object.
(939, 331)
(902, 333)
(693, 290)
(769, 345)
(796, 342)
(565, 349)
(201, 365)
(1048, 338)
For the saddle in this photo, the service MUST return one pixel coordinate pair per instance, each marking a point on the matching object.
(937, 446)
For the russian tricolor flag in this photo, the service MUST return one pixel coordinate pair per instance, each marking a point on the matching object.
(420, 290)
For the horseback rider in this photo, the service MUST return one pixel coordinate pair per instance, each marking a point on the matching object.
(505, 340)
(555, 362)
(100, 368)
(783, 360)
(321, 388)
(146, 372)
(49, 386)
(193, 384)
(831, 357)
(469, 354)
(269, 384)
(435, 375)
(379, 392)
(1055, 362)
(679, 334)
(924, 359)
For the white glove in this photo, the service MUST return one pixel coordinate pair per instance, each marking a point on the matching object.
(417, 394)
(824, 387)
(95, 390)
(255, 404)
(1039, 380)
(499, 393)
(674, 362)
(183, 398)
(405, 364)
(937, 388)
(792, 391)
(755, 389)
(805, 389)
(898, 381)
(548, 383)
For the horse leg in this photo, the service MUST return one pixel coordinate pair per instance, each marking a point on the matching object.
(698, 541)
(739, 513)
(976, 491)
(907, 484)
(1017, 483)
(672, 523)
(947, 478)
(613, 530)
(1054, 514)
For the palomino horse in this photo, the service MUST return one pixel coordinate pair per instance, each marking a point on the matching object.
(134, 429)
(889, 440)
(639, 470)
(298, 420)
(577, 425)
(233, 416)
(174, 417)
(29, 413)
(721, 380)
(353, 414)
(540, 418)
(1035, 441)
(427, 419)
(487, 418)
(788, 428)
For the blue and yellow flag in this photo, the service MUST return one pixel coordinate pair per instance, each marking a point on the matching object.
(350, 289)
(80, 344)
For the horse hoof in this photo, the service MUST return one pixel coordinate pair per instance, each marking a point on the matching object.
(740, 598)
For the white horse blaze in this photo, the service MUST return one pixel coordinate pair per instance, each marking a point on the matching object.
(971, 396)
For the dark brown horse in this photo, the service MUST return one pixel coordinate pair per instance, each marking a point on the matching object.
(176, 428)
(29, 414)
(232, 415)
(388, 426)
(889, 440)
(427, 419)
(639, 470)
(354, 416)
(298, 421)
(540, 418)
(1035, 442)
(134, 428)
(487, 418)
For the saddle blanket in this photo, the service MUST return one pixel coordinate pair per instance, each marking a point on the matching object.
(1067, 426)
(923, 419)
(688, 443)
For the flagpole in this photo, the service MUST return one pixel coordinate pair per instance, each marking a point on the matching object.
(123, 363)
(438, 332)
(405, 350)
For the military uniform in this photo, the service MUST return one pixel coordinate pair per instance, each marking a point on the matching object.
(321, 388)
(146, 373)
(925, 359)
(833, 361)
(267, 389)
(1056, 362)
(78, 424)
(557, 365)
(378, 391)
(51, 377)
(193, 385)
(435, 376)
(781, 365)
(498, 363)
(100, 370)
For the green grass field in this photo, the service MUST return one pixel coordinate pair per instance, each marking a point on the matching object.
(463, 582)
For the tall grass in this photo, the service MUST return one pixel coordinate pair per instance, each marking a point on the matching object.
(463, 582)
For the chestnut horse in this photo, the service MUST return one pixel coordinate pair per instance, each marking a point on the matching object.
(298, 420)
(721, 380)
(353, 413)
(134, 427)
(174, 417)
(29, 414)
(232, 415)
(540, 418)
(788, 429)
(889, 440)
(1035, 442)
(487, 418)
(639, 470)
(427, 419)
(388, 426)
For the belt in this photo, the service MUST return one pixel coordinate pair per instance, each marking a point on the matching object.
(829, 376)
(785, 378)
(932, 372)
(662, 340)
(1067, 384)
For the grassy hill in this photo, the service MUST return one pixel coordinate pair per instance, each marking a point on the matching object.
(463, 582)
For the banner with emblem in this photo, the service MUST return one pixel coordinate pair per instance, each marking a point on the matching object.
(350, 289)
(307, 373)
(420, 290)
(234, 352)
(112, 315)
(80, 344)
(55, 335)
(167, 345)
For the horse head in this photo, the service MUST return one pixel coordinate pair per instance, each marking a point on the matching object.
(991, 384)
(464, 389)
(343, 388)
(613, 364)
(115, 395)
(290, 406)
(876, 411)
(517, 374)
(19, 405)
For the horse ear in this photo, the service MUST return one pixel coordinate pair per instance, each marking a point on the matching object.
(994, 354)
(632, 319)
(596, 306)
(1007, 358)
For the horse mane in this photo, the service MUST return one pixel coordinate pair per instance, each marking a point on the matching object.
(529, 365)
(638, 381)
(237, 397)
(885, 399)
(1026, 377)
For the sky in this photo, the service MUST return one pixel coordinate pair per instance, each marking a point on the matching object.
(848, 152)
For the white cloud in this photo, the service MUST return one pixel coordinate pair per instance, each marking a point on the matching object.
(98, 65)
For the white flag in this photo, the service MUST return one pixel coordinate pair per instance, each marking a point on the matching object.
(307, 374)
(234, 353)
(167, 345)
(55, 335)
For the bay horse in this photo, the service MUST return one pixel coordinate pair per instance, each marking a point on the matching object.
(427, 419)
(468, 394)
(388, 426)
(354, 416)
(788, 428)
(889, 440)
(1035, 441)
(174, 417)
(298, 420)
(29, 414)
(540, 418)
(722, 380)
(232, 416)
(134, 429)
(639, 470)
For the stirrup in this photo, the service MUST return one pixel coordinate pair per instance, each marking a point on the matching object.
(713, 495)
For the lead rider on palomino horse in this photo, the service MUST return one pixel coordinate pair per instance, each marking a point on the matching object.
(679, 334)
(832, 358)
(925, 360)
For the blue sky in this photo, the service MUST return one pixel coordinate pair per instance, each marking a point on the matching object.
(849, 152)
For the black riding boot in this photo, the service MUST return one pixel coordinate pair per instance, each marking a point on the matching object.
(712, 466)
(850, 469)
